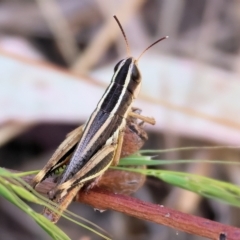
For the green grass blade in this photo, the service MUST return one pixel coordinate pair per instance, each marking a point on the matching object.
(204, 186)
(48, 226)
(23, 174)
(146, 160)
(19, 188)
(188, 149)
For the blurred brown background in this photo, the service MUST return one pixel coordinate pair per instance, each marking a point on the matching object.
(56, 58)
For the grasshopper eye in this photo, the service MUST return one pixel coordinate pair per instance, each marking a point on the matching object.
(136, 77)
(117, 65)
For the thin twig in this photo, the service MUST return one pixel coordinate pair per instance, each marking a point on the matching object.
(232, 123)
(106, 35)
(12, 129)
(59, 27)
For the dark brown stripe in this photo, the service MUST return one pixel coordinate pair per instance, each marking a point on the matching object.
(122, 74)
(78, 159)
(105, 161)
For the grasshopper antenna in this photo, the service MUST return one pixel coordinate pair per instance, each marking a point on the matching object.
(124, 35)
(159, 40)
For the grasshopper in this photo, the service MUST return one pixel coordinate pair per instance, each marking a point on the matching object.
(92, 148)
(134, 138)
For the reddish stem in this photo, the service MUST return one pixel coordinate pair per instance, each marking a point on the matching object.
(159, 214)
(101, 199)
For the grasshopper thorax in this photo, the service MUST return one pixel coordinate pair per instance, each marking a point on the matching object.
(129, 65)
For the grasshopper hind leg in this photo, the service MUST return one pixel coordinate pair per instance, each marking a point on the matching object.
(63, 203)
(60, 156)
